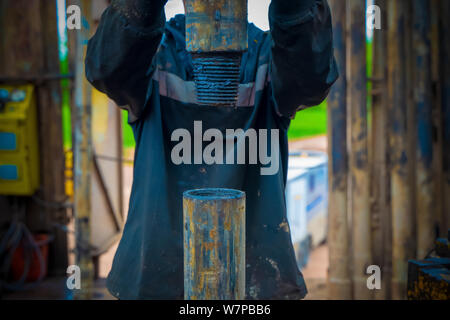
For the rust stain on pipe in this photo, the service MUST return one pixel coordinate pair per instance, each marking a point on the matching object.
(402, 222)
(216, 25)
(339, 281)
(216, 35)
(214, 244)
(83, 161)
(380, 185)
(359, 167)
(424, 125)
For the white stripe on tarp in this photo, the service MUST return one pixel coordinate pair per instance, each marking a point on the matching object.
(172, 86)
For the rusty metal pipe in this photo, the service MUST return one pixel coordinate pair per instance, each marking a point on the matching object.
(214, 244)
(435, 13)
(216, 36)
(424, 127)
(83, 156)
(445, 94)
(380, 205)
(359, 166)
(339, 282)
(403, 239)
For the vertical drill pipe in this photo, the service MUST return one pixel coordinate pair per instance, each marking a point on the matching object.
(424, 134)
(216, 35)
(437, 112)
(216, 26)
(402, 221)
(359, 167)
(445, 57)
(339, 282)
(83, 162)
(214, 244)
(380, 206)
(411, 120)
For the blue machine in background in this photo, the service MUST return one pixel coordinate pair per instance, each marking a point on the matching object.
(307, 201)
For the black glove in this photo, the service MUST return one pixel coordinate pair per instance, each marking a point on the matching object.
(287, 8)
(142, 13)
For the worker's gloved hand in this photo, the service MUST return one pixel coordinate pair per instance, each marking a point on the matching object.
(142, 13)
(286, 8)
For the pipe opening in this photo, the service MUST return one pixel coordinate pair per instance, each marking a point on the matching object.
(214, 194)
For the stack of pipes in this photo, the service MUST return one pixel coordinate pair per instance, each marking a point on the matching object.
(388, 181)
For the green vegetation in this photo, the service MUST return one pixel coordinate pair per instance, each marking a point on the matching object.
(309, 122)
(128, 137)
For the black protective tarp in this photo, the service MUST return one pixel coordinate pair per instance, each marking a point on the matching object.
(282, 72)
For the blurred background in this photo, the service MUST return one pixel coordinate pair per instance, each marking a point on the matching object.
(369, 171)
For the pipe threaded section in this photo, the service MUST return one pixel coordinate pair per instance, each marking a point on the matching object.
(216, 78)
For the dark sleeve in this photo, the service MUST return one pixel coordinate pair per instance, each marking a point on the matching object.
(302, 65)
(119, 55)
